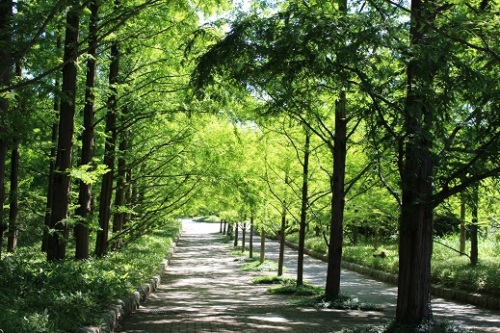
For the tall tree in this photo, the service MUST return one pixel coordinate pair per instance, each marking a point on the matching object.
(332, 288)
(303, 208)
(6, 13)
(105, 201)
(84, 210)
(56, 247)
(416, 223)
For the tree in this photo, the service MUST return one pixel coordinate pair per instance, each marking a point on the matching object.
(5, 68)
(432, 141)
(84, 210)
(105, 198)
(56, 248)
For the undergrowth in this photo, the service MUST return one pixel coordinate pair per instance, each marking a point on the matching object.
(46, 297)
(449, 268)
(257, 266)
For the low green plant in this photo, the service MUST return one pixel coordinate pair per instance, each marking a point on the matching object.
(346, 302)
(257, 266)
(41, 296)
(294, 290)
(274, 279)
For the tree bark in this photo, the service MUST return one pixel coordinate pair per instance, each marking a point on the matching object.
(84, 210)
(262, 254)
(303, 211)
(332, 289)
(462, 224)
(243, 236)
(5, 64)
(416, 220)
(56, 246)
(14, 171)
(474, 227)
(13, 197)
(250, 241)
(282, 237)
(121, 188)
(236, 230)
(105, 202)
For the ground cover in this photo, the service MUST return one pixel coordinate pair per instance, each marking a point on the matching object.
(39, 296)
(449, 268)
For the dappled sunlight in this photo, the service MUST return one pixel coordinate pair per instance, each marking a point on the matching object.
(204, 290)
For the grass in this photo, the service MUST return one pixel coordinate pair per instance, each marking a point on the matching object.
(257, 266)
(273, 279)
(314, 296)
(449, 269)
(45, 297)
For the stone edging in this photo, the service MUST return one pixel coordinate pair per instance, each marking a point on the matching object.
(125, 306)
(483, 301)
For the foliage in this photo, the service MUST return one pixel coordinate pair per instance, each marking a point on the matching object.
(257, 266)
(294, 290)
(40, 296)
(273, 279)
(345, 302)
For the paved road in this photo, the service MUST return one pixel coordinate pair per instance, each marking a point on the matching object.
(205, 291)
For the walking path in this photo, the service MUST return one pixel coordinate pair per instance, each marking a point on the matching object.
(204, 291)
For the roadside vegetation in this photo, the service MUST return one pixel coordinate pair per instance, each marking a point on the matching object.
(449, 268)
(37, 295)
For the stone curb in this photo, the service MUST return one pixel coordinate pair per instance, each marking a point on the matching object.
(127, 305)
(483, 301)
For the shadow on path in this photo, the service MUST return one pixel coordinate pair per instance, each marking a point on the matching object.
(204, 290)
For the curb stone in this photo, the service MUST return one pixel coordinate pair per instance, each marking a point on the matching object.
(125, 306)
(483, 301)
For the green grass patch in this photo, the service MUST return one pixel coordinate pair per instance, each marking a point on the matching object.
(294, 290)
(257, 266)
(273, 279)
(41, 296)
(449, 269)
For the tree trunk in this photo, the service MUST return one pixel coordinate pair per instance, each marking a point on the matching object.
(282, 237)
(262, 255)
(52, 164)
(5, 73)
(474, 251)
(14, 172)
(13, 197)
(243, 236)
(416, 220)
(462, 224)
(84, 211)
(332, 289)
(250, 241)
(121, 188)
(303, 211)
(56, 246)
(236, 227)
(109, 156)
